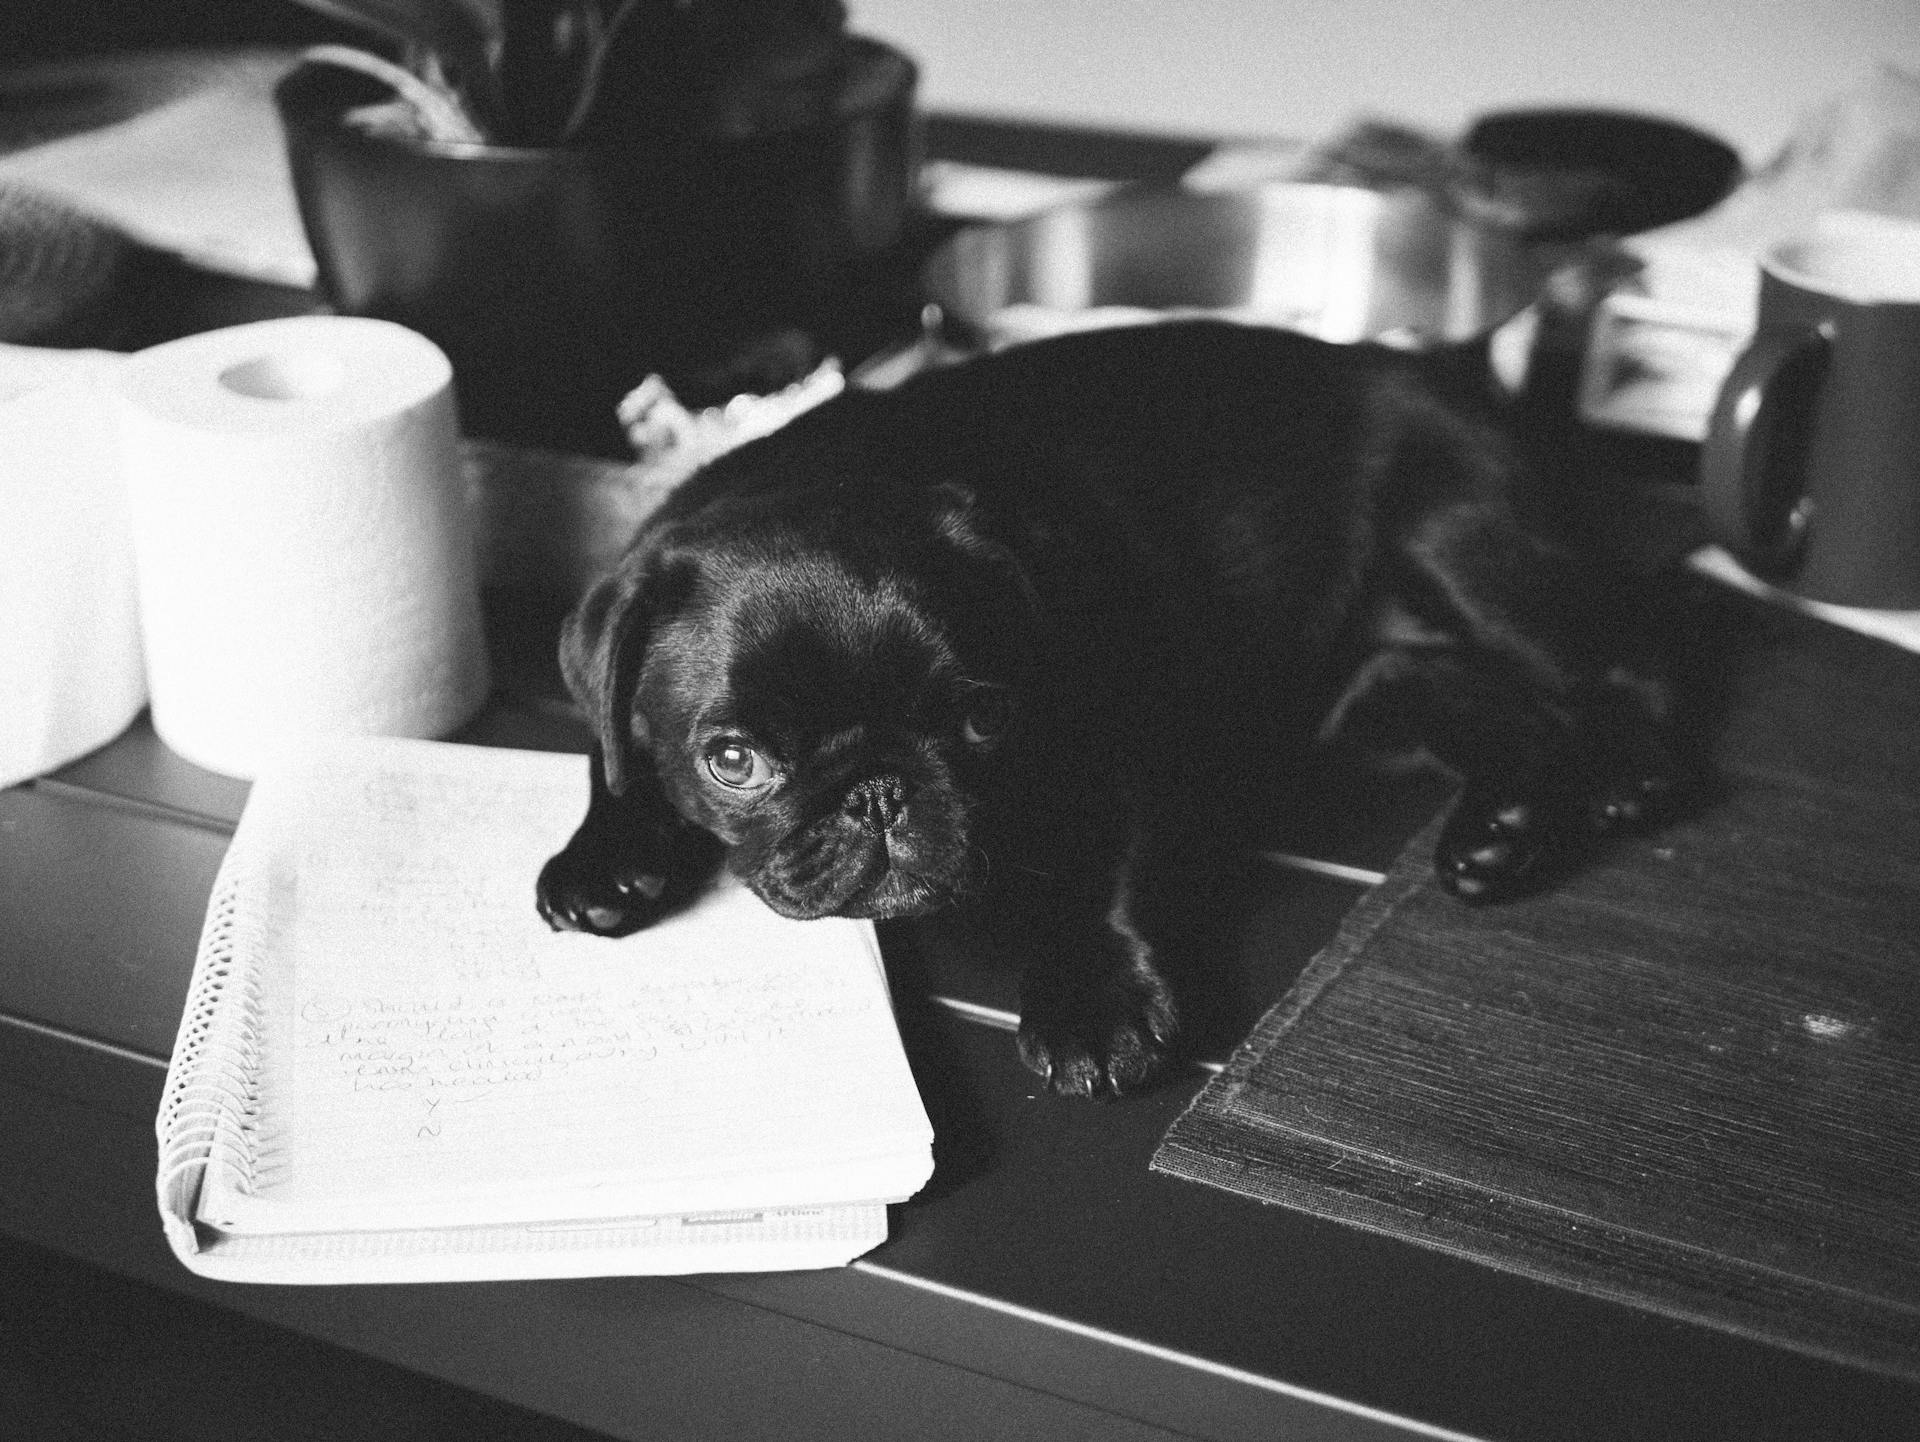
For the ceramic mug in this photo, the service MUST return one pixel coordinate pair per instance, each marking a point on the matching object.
(1811, 470)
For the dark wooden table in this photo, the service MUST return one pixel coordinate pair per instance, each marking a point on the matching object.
(1046, 1285)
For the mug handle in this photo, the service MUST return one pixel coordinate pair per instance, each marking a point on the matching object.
(1752, 471)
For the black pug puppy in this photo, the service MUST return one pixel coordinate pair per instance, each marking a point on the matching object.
(1023, 628)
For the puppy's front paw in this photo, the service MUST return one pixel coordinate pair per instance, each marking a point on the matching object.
(1109, 1038)
(579, 893)
(594, 888)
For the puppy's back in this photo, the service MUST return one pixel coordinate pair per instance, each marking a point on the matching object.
(1223, 471)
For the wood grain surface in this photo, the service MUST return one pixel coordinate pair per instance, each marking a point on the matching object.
(1688, 1079)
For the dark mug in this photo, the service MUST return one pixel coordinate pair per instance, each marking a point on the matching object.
(1811, 471)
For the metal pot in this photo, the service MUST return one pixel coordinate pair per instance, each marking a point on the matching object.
(1395, 268)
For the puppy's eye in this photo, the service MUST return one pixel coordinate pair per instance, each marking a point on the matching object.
(736, 765)
(986, 718)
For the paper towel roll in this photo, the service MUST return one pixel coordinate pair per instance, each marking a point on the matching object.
(70, 668)
(303, 541)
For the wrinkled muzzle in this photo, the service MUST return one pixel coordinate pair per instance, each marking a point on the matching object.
(880, 845)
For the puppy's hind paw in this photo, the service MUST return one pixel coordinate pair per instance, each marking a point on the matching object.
(1491, 851)
(1636, 790)
(1500, 845)
(1633, 804)
(1100, 1047)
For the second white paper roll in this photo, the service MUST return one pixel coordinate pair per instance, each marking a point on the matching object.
(303, 539)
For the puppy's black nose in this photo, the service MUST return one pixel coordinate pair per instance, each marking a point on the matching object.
(876, 803)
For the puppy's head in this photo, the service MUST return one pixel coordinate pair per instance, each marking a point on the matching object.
(827, 688)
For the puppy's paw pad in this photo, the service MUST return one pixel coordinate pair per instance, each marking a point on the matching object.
(629, 911)
(576, 896)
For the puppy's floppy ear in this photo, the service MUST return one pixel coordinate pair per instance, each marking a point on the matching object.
(602, 647)
(959, 520)
(954, 510)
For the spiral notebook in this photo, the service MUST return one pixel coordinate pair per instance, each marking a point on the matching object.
(389, 1069)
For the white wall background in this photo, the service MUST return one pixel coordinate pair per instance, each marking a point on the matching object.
(1303, 69)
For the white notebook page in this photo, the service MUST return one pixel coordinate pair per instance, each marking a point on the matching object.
(433, 1055)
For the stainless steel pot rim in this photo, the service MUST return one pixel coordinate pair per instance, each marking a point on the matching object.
(1346, 263)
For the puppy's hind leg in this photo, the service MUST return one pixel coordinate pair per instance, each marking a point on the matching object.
(1509, 746)
(1556, 735)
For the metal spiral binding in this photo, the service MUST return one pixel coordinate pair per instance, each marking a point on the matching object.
(210, 1110)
